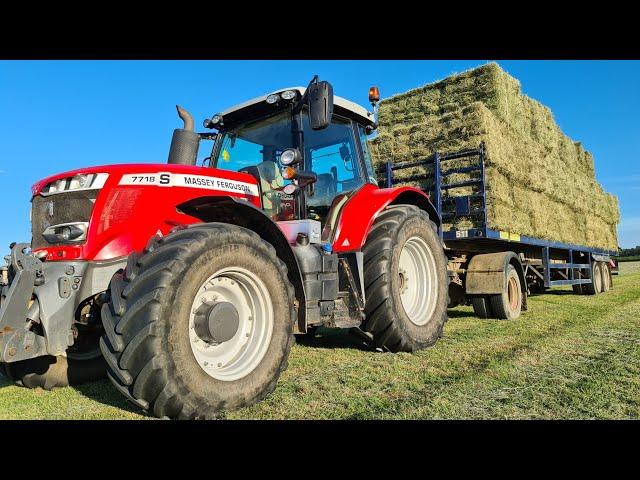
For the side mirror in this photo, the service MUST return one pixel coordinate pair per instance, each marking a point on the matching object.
(320, 97)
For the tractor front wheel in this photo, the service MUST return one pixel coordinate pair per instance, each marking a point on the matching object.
(201, 322)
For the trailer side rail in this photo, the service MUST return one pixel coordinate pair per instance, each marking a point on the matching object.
(473, 206)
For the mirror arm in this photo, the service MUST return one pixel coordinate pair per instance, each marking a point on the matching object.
(302, 100)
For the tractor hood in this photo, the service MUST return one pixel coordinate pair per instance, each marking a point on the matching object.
(161, 175)
(105, 212)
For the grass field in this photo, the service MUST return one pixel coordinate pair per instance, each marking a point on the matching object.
(569, 357)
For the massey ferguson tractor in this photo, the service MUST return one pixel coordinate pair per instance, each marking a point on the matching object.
(188, 282)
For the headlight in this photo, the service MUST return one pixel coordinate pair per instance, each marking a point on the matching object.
(87, 181)
(288, 94)
(290, 156)
(273, 98)
(66, 232)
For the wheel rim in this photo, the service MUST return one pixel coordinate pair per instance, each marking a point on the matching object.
(512, 291)
(231, 323)
(597, 280)
(418, 277)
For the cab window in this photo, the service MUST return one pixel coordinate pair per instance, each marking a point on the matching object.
(332, 155)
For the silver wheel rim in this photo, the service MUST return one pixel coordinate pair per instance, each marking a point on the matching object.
(418, 276)
(238, 356)
(597, 274)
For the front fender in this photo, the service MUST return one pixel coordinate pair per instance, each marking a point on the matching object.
(361, 210)
(227, 209)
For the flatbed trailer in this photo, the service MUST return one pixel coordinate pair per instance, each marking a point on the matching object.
(484, 262)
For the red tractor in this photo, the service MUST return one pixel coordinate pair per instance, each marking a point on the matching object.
(189, 282)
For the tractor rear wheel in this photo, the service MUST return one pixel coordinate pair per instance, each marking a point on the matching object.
(201, 322)
(406, 282)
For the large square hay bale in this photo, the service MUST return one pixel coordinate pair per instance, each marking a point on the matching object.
(539, 182)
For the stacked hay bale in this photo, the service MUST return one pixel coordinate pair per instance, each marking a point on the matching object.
(539, 182)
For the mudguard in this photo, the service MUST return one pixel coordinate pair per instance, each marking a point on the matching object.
(486, 273)
(359, 213)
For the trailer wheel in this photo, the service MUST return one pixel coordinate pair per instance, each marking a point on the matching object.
(595, 287)
(606, 277)
(508, 305)
(482, 307)
(203, 322)
(406, 282)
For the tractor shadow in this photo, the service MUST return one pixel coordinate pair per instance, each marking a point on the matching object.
(332, 338)
(102, 391)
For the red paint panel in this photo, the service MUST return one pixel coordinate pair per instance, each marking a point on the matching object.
(126, 216)
(359, 213)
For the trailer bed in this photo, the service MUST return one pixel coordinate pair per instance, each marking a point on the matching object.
(554, 263)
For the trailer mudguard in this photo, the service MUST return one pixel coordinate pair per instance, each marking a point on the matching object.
(359, 213)
(486, 273)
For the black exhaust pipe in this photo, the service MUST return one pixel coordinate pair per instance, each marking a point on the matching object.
(185, 142)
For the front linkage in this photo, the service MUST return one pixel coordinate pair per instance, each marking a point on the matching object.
(40, 303)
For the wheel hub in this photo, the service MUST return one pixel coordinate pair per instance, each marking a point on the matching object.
(230, 324)
(217, 323)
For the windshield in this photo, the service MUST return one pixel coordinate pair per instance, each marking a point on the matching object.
(255, 142)
(332, 154)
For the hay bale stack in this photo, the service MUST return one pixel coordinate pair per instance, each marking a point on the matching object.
(539, 182)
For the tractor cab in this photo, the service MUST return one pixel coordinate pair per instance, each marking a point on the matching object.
(304, 146)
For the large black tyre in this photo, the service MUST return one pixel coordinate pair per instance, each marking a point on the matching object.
(508, 305)
(147, 343)
(386, 318)
(50, 372)
(482, 307)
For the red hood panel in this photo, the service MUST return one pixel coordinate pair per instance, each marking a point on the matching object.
(124, 169)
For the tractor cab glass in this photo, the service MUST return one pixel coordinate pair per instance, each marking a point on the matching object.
(332, 153)
(255, 148)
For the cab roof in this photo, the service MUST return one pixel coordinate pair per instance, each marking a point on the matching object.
(255, 106)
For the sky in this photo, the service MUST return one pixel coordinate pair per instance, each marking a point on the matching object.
(61, 115)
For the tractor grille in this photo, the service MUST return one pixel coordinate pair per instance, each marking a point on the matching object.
(59, 208)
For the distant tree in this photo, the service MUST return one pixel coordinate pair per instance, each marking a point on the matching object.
(630, 252)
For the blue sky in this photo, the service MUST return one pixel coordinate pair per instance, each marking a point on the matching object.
(60, 115)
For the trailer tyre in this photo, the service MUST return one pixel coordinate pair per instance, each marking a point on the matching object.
(595, 287)
(203, 323)
(406, 283)
(482, 307)
(508, 305)
(606, 276)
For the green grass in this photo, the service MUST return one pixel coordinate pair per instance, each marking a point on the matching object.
(568, 357)
(635, 258)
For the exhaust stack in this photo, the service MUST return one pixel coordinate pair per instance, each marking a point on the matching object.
(185, 142)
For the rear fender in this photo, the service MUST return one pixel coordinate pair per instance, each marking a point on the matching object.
(359, 213)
